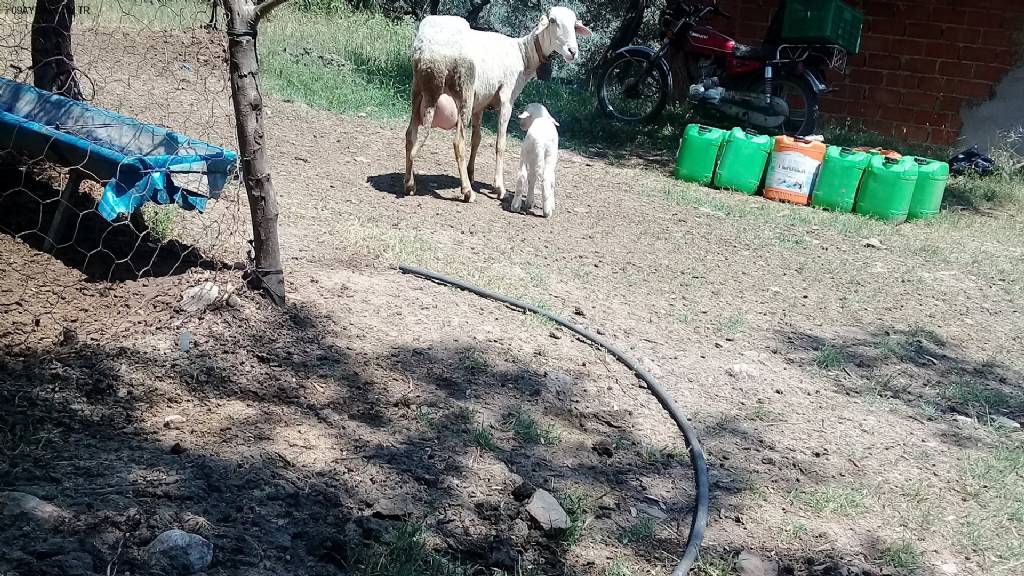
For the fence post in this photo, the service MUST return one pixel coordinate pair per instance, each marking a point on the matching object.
(243, 19)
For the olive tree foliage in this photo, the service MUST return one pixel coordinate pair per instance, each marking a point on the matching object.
(615, 23)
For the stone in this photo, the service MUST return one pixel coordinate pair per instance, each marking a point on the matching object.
(750, 564)
(174, 421)
(180, 551)
(1003, 421)
(396, 507)
(547, 511)
(742, 371)
(948, 568)
(199, 298)
(26, 506)
(962, 420)
(604, 447)
(652, 511)
(873, 243)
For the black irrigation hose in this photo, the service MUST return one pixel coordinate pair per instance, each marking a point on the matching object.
(700, 467)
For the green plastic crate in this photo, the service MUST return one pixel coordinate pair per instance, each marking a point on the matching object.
(823, 22)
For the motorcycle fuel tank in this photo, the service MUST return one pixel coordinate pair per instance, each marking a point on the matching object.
(709, 41)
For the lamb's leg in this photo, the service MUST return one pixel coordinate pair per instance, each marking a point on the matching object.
(536, 179)
(478, 120)
(522, 185)
(549, 185)
(465, 118)
(504, 115)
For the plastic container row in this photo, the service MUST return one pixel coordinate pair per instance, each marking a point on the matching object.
(876, 183)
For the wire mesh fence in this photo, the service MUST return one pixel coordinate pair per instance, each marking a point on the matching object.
(137, 180)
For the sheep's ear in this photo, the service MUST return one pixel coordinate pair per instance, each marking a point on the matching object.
(543, 22)
(582, 30)
(556, 122)
(524, 115)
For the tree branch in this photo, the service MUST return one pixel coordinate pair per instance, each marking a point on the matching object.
(264, 8)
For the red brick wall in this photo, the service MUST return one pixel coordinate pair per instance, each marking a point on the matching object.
(921, 61)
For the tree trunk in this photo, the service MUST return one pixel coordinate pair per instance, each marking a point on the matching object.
(628, 29)
(242, 23)
(53, 64)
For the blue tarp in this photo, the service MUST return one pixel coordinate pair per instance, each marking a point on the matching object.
(136, 162)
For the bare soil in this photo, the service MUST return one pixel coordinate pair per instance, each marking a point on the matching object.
(310, 433)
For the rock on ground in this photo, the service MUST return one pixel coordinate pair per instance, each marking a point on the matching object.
(183, 552)
(547, 511)
(21, 506)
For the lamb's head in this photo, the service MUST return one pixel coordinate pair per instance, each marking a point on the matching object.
(531, 113)
(558, 29)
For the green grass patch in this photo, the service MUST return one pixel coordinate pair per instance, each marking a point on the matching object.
(653, 453)
(902, 555)
(643, 530)
(618, 567)
(577, 506)
(715, 566)
(426, 417)
(160, 220)
(527, 430)
(829, 358)
(405, 553)
(977, 397)
(483, 438)
(837, 500)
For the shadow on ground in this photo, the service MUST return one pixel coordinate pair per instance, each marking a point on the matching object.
(87, 242)
(914, 366)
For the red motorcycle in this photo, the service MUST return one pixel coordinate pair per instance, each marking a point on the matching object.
(774, 87)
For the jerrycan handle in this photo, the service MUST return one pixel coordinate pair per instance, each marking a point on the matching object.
(847, 150)
(922, 161)
(703, 129)
(890, 160)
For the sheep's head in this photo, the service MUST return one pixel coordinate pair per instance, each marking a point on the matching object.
(559, 28)
(531, 113)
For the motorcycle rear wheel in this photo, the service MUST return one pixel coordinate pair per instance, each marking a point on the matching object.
(641, 101)
(795, 89)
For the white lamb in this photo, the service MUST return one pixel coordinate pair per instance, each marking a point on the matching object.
(538, 159)
(458, 73)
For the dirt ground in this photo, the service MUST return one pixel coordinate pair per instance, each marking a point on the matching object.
(842, 391)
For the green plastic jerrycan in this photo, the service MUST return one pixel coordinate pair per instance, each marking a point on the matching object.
(698, 151)
(932, 177)
(744, 157)
(887, 188)
(839, 178)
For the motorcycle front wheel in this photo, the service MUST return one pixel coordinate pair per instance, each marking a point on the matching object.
(629, 94)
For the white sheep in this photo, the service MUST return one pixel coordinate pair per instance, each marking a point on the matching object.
(459, 72)
(538, 159)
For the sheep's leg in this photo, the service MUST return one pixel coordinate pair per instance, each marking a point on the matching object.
(465, 117)
(412, 147)
(521, 187)
(504, 116)
(478, 119)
